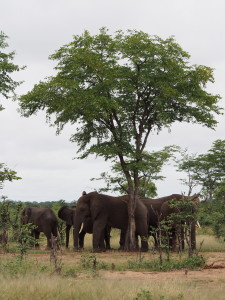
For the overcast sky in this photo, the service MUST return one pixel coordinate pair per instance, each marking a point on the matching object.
(37, 28)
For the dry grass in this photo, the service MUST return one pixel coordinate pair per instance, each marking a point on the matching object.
(210, 243)
(57, 288)
(35, 280)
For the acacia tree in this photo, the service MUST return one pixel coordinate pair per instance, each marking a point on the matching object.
(205, 170)
(185, 164)
(118, 89)
(7, 88)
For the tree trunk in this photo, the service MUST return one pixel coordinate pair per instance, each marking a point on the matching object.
(130, 243)
(193, 236)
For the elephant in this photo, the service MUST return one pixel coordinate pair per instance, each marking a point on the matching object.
(167, 210)
(156, 215)
(154, 207)
(45, 221)
(112, 211)
(67, 214)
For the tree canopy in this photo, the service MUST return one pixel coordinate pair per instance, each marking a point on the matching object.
(118, 89)
(7, 174)
(149, 173)
(7, 67)
(205, 170)
(7, 86)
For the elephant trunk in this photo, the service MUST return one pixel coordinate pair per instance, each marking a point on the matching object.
(76, 229)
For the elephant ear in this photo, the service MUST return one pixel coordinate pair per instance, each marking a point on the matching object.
(25, 216)
(66, 214)
(97, 206)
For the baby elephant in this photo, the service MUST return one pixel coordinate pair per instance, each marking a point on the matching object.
(45, 221)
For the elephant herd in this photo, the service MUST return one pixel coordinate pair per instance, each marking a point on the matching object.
(97, 213)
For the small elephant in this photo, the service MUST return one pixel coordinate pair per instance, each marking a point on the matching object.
(67, 214)
(45, 221)
(106, 210)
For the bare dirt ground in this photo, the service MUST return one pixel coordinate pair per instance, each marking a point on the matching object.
(213, 272)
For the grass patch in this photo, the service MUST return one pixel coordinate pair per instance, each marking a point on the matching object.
(57, 288)
(210, 244)
(192, 263)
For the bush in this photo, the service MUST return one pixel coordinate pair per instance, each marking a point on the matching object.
(193, 262)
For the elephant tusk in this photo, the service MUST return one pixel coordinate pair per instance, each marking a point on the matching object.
(198, 224)
(82, 226)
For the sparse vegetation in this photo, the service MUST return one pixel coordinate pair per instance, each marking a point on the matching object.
(85, 275)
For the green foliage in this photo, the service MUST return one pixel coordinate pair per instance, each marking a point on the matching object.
(90, 261)
(10, 217)
(205, 213)
(205, 170)
(218, 211)
(7, 174)
(144, 295)
(147, 295)
(70, 272)
(183, 210)
(149, 169)
(9, 221)
(26, 239)
(7, 67)
(17, 267)
(192, 263)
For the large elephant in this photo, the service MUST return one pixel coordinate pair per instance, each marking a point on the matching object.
(106, 210)
(45, 221)
(167, 210)
(68, 214)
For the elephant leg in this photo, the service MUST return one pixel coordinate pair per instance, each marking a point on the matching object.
(36, 235)
(67, 235)
(98, 233)
(144, 243)
(122, 239)
(107, 237)
(101, 242)
(49, 242)
(81, 239)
